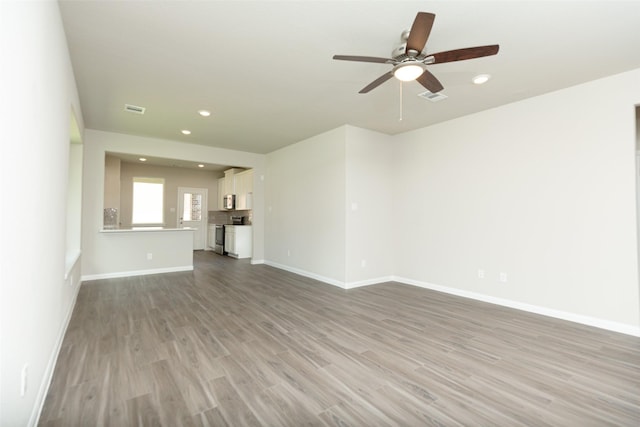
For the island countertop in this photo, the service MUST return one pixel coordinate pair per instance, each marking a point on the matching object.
(144, 229)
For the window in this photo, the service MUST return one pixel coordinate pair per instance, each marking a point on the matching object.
(192, 207)
(148, 201)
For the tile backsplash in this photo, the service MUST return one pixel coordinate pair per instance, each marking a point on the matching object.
(224, 217)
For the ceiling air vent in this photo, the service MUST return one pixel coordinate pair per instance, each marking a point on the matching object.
(134, 109)
(433, 97)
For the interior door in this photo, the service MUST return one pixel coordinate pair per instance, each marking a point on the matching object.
(192, 212)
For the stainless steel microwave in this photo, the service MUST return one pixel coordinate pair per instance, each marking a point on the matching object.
(229, 201)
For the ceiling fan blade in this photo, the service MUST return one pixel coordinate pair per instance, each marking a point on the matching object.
(362, 58)
(466, 53)
(430, 82)
(419, 32)
(377, 82)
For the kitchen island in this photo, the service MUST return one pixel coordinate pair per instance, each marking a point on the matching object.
(137, 251)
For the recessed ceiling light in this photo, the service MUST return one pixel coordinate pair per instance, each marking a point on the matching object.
(186, 132)
(204, 113)
(142, 159)
(200, 166)
(481, 79)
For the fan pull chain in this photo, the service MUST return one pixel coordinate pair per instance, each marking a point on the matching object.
(400, 119)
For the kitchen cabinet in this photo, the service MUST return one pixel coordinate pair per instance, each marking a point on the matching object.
(229, 180)
(230, 239)
(211, 236)
(244, 189)
(238, 182)
(229, 185)
(237, 241)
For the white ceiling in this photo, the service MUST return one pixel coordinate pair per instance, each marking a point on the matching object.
(265, 68)
(174, 163)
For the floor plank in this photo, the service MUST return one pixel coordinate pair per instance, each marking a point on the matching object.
(241, 345)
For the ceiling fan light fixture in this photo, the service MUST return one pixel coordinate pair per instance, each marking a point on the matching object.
(408, 72)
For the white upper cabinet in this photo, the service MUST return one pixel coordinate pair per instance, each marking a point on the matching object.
(244, 189)
(229, 181)
(238, 182)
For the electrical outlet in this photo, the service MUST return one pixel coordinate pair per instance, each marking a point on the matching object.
(503, 277)
(363, 263)
(288, 252)
(23, 379)
(149, 256)
(480, 274)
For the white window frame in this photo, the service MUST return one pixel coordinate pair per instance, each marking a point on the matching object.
(146, 180)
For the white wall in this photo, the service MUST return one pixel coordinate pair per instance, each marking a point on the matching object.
(38, 94)
(112, 166)
(638, 127)
(305, 208)
(542, 189)
(370, 215)
(98, 247)
(638, 180)
(73, 225)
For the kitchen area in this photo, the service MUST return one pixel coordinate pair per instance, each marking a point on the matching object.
(229, 231)
(121, 246)
(214, 203)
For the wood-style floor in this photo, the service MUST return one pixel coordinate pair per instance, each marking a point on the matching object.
(240, 345)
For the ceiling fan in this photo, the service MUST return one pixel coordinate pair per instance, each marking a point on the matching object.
(410, 63)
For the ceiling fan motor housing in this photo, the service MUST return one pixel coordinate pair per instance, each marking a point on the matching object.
(399, 50)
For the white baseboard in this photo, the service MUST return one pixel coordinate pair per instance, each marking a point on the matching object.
(257, 261)
(558, 314)
(368, 282)
(308, 274)
(136, 273)
(334, 282)
(47, 377)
